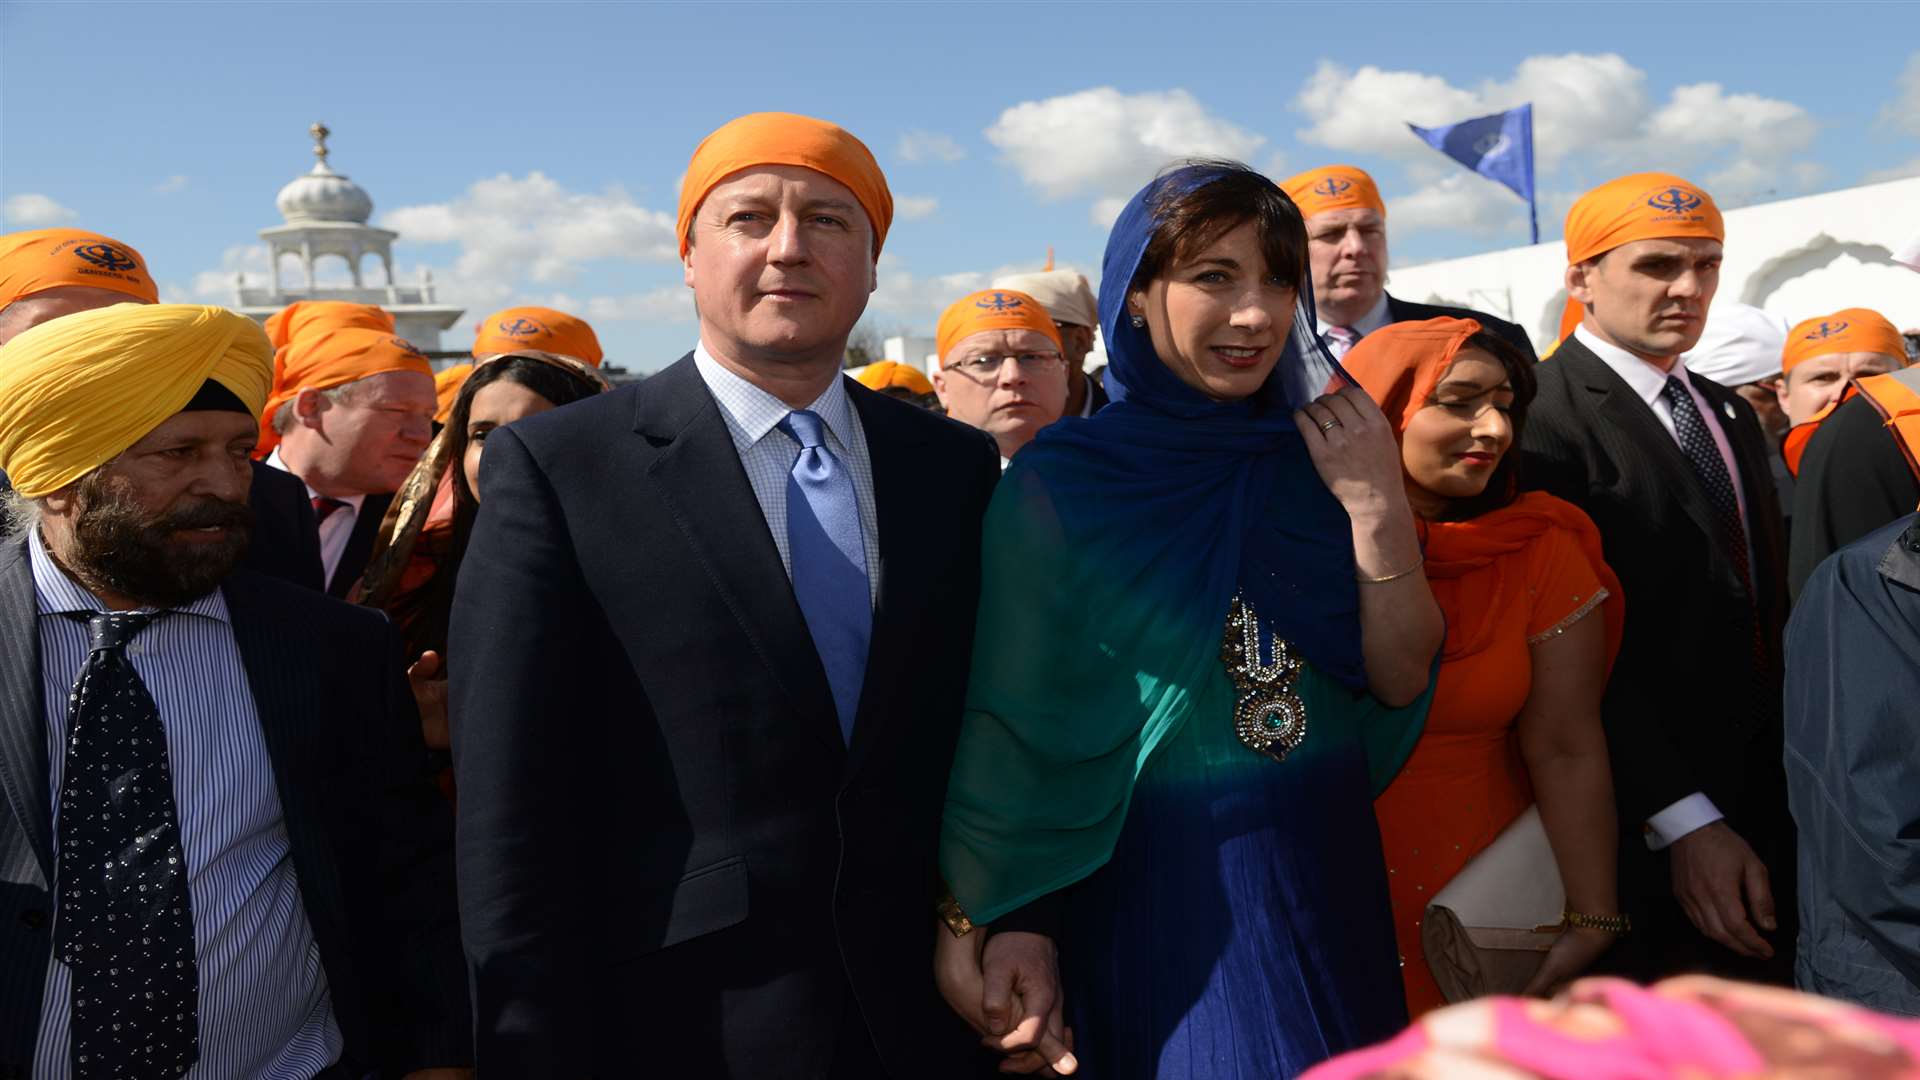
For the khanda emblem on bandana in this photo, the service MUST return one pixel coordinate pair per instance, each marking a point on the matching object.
(407, 347)
(1675, 200)
(106, 256)
(522, 327)
(1332, 186)
(999, 302)
(1826, 330)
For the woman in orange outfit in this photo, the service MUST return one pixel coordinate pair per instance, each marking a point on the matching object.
(1533, 621)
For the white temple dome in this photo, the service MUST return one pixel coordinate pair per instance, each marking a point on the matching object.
(322, 194)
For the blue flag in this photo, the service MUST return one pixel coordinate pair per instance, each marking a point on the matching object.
(1498, 147)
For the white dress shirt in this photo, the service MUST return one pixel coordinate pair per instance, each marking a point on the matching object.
(767, 453)
(336, 530)
(265, 1009)
(1647, 380)
(1376, 317)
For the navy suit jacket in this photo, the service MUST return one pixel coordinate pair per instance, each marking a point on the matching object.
(670, 861)
(1399, 310)
(368, 832)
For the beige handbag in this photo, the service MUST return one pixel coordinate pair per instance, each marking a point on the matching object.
(1489, 929)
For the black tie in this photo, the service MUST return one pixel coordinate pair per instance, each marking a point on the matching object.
(124, 924)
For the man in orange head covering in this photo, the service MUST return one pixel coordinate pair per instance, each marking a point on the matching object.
(46, 273)
(543, 329)
(1001, 368)
(311, 318)
(1347, 252)
(1826, 353)
(761, 579)
(350, 413)
(1674, 470)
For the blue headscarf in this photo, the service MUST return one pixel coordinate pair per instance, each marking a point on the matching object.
(1193, 499)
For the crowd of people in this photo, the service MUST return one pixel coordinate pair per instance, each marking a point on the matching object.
(1324, 664)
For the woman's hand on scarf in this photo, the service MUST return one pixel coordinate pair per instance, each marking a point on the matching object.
(1354, 451)
(429, 686)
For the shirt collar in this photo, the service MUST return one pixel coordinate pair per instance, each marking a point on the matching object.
(757, 412)
(1645, 379)
(56, 593)
(1376, 317)
(352, 501)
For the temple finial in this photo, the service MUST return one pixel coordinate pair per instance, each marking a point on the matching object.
(320, 131)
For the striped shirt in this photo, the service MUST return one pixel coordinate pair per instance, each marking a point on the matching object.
(767, 453)
(264, 1007)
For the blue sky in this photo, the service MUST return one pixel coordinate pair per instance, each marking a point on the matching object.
(529, 152)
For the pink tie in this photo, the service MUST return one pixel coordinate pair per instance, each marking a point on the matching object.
(1340, 339)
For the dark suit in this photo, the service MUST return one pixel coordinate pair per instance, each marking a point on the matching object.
(1399, 310)
(670, 862)
(1689, 708)
(366, 830)
(353, 560)
(286, 541)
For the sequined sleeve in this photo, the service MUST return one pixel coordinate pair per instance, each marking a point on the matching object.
(1563, 584)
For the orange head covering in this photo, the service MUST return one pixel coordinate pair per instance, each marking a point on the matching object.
(446, 389)
(1850, 330)
(543, 329)
(330, 360)
(43, 259)
(311, 318)
(1643, 206)
(891, 375)
(992, 309)
(772, 138)
(1333, 187)
(1399, 365)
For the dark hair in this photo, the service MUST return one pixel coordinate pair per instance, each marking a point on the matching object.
(1504, 485)
(1188, 221)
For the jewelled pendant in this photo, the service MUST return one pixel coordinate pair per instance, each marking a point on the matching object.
(1268, 716)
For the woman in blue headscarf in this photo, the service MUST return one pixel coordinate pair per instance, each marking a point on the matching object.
(1204, 645)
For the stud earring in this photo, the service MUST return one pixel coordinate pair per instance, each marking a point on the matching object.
(1138, 321)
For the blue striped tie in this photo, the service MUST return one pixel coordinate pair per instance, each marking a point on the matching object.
(829, 562)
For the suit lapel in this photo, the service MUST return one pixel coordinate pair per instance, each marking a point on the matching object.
(353, 559)
(699, 476)
(23, 723)
(900, 501)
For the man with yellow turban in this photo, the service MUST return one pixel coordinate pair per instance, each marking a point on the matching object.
(1674, 470)
(1068, 300)
(227, 758)
(725, 612)
(1347, 252)
(47, 273)
(350, 413)
(1001, 368)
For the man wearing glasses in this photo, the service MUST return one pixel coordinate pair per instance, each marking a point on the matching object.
(1001, 368)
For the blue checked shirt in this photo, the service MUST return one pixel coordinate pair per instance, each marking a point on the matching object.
(767, 453)
(265, 1011)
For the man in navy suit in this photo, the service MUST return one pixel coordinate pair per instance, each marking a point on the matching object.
(709, 651)
(1347, 249)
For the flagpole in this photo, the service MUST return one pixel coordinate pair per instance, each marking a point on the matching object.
(1533, 217)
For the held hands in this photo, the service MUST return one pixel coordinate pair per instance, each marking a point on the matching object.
(1007, 987)
(1712, 866)
(429, 685)
(1354, 450)
(1573, 954)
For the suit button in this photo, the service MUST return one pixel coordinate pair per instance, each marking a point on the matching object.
(33, 918)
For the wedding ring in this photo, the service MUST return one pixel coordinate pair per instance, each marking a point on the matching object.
(1330, 425)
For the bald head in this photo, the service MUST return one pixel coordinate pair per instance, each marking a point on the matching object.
(30, 311)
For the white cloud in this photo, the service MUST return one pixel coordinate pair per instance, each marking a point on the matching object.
(30, 210)
(1106, 144)
(1903, 112)
(1104, 212)
(170, 185)
(1462, 202)
(920, 300)
(511, 230)
(1896, 172)
(917, 147)
(667, 305)
(914, 207)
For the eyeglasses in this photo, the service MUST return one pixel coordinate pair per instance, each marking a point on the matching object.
(986, 367)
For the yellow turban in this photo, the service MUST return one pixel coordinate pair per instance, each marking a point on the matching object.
(76, 392)
(786, 139)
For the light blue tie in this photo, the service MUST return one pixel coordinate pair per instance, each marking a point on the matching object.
(829, 562)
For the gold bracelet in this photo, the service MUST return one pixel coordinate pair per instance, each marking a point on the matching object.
(1395, 577)
(954, 916)
(1612, 924)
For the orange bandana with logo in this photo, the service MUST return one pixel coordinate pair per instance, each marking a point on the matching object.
(1643, 206)
(1850, 330)
(42, 259)
(1333, 187)
(311, 318)
(330, 360)
(542, 329)
(992, 309)
(786, 139)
